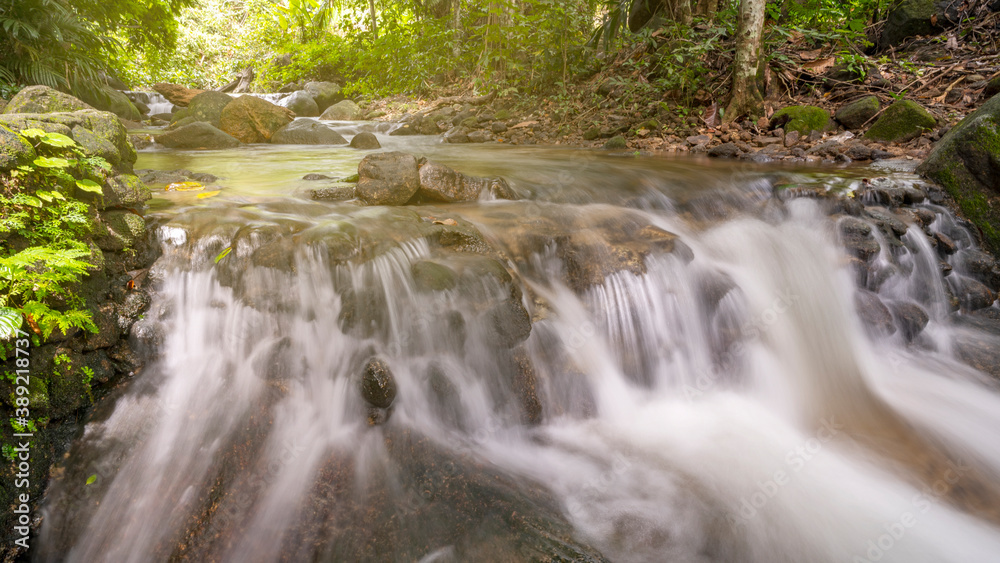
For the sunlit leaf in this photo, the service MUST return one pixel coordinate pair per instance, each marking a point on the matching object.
(57, 140)
(33, 133)
(44, 195)
(90, 186)
(185, 187)
(209, 194)
(51, 162)
(10, 323)
(92, 479)
(223, 254)
(30, 200)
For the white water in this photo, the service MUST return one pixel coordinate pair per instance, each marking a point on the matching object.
(758, 425)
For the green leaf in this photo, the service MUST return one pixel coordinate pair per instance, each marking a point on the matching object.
(30, 200)
(10, 323)
(58, 140)
(33, 133)
(90, 186)
(223, 254)
(92, 479)
(51, 162)
(44, 196)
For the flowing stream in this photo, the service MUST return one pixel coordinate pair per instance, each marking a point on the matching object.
(644, 359)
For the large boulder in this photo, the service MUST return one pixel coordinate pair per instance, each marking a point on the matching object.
(301, 103)
(804, 119)
(206, 106)
(909, 18)
(307, 132)
(903, 121)
(966, 162)
(198, 135)
(253, 120)
(14, 150)
(344, 110)
(440, 183)
(389, 178)
(325, 94)
(106, 98)
(42, 99)
(855, 114)
(175, 93)
(98, 132)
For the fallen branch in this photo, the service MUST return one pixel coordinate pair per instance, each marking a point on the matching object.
(471, 100)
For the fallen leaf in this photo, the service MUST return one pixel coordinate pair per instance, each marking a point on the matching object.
(711, 115)
(33, 324)
(185, 187)
(810, 55)
(209, 194)
(819, 66)
(524, 124)
(449, 222)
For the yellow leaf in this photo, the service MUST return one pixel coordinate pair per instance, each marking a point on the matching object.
(209, 194)
(185, 187)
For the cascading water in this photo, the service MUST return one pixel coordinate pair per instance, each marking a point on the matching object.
(623, 369)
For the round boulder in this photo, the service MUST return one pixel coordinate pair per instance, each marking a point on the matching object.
(389, 178)
(42, 99)
(365, 141)
(378, 386)
(345, 110)
(307, 132)
(301, 103)
(253, 120)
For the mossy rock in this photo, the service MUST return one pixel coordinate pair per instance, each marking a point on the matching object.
(97, 145)
(14, 150)
(344, 110)
(122, 229)
(206, 106)
(903, 121)
(616, 143)
(42, 99)
(992, 87)
(966, 162)
(502, 115)
(804, 119)
(431, 276)
(855, 114)
(106, 98)
(592, 133)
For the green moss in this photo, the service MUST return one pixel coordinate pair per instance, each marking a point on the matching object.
(902, 121)
(615, 143)
(502, 115)
(14, 150)
(804, 119)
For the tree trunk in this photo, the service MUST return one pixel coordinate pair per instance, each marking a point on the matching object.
(371, 8)
(456, 24)
(682, 11)
(707, 9)
(745, 98)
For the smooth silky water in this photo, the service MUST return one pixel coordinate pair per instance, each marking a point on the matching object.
(718, 399)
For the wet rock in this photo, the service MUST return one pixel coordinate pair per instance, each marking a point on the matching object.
(910, 318)
(498, 128)
(457, 135)
(301, 103)
(980, 266)
(903, 121)
(480, 136)
(365, 141)
(316, 177)
(873, 313)
(857, 238)
(176, 94)
(108, 331)
(344, 110)
(972, 295)
(390, 178)
(253, 120)
(307, 132)
(855, 114)
(803, 119)
(440, 183)
(966, 162)
(725, 150)
(334, 193)
(123, 191)
(378, 386)
(509, 323)
(886, 221)
(199, 135)
(945, 244)
(121, 230)
(42, 99)
(431, 276)
(526, 386)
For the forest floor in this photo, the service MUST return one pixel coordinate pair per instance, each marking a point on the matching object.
(948, 75)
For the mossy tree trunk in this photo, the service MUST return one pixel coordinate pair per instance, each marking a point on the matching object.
(745, 98)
